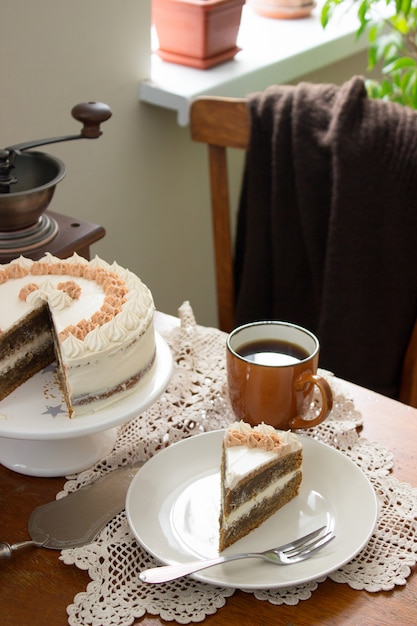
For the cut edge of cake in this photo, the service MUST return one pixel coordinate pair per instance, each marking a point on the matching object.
(32, 333)
(261, 471)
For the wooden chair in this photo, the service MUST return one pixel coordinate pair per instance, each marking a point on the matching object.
(221, 123)
(225, 123)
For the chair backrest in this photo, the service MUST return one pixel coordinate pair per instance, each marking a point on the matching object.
(221, 123)
(225, 123)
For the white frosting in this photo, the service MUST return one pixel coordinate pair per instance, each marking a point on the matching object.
(22, 261)
(110, 353)
(242, 460)
(90, 302)
(72, 348)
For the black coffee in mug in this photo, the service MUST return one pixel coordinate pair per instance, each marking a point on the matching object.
(272, 352)
(272, 375)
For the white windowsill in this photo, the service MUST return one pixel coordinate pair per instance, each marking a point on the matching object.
(273, 51)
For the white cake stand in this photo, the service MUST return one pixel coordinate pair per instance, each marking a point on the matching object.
(38, 438)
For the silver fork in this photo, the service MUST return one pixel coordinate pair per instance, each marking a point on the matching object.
(292, 552)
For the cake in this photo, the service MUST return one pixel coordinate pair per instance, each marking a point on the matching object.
(261, 471)
(93, 318)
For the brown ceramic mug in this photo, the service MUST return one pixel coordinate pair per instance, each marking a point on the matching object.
(272, 371)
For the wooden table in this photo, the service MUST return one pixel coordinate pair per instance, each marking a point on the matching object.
(36, 587)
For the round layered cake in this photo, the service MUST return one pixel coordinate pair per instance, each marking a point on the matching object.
(94, 318)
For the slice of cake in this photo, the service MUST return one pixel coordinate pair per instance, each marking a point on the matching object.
(261, 470)
(93, 318)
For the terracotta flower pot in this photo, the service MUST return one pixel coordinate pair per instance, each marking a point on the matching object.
(283, 9)
(198, 33)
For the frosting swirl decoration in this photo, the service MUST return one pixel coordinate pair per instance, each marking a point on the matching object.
(262, 436)
(121, 310)
(59, 297)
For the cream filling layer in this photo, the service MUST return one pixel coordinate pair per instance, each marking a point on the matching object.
(245, 508)
(34, 346)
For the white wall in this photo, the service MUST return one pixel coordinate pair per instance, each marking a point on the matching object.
(143, 180)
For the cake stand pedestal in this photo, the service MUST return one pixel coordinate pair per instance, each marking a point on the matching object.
(56, 457)
(38, 438)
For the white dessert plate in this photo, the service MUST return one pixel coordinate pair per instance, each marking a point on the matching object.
(172, 507)
(37, 411)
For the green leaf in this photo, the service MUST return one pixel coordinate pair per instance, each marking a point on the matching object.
(405, 6)
(400, 23)
(326, 14)
(392, 45)
(362, 11)
(398, 64)
(373, 33)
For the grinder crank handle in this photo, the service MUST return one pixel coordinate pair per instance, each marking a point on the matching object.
(90, 114)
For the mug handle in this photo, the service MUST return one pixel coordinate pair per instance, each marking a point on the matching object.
(326, 399)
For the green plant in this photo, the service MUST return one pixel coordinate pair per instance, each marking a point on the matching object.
(391, 26)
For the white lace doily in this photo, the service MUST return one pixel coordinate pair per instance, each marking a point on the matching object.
(196, 401)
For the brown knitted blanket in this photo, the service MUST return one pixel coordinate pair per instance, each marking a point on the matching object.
(327, 225)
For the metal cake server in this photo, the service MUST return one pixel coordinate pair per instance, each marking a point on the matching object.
(76, 519)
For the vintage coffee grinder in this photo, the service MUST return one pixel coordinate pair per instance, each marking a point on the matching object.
(27, 184)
